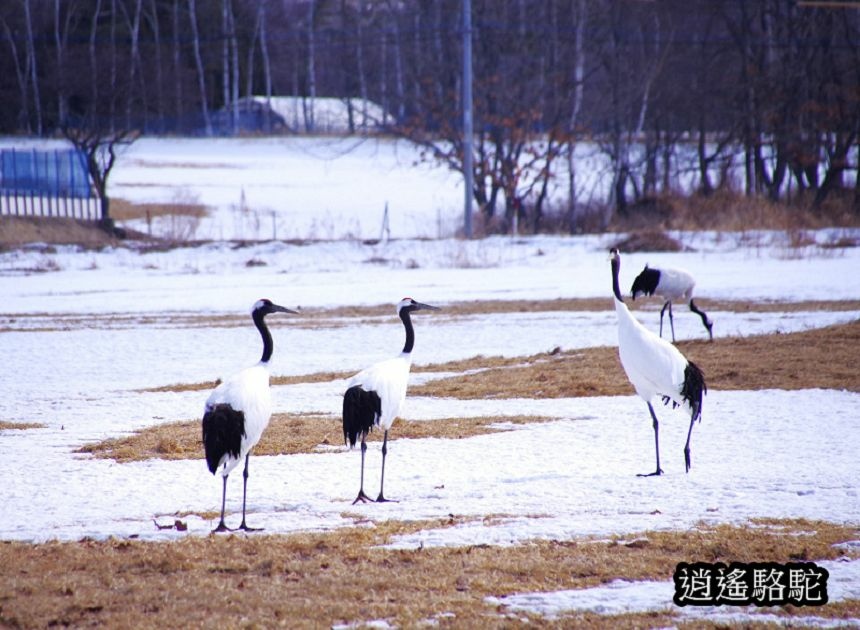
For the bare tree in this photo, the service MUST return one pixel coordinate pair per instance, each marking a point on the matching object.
(100, 150)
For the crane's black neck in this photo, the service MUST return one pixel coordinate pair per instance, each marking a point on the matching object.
(616, 267)
(268, 344)
(410, 332)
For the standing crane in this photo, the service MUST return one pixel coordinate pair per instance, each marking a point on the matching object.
(670, 284)
(656, 368)
(375, 396)
(238, 411)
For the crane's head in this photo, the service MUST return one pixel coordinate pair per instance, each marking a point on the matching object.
(267, 307)
(645, 283)
(409, 305)
(614, 255)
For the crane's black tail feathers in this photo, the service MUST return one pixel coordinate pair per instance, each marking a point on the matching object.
(223, 430)
(361, 410)
(693, 389)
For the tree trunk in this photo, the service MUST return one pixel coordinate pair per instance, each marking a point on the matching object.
(267, 67)
(135, 66)
(201, 77)
(359, 61)
(225, 62)
(159, 71)
(252, 46)
(177, 75)
(113, 92)
(578, 91)
(399, 86)
(234, 58)
(60, 38)
(32, 61)
(94, 68)
(310, 123)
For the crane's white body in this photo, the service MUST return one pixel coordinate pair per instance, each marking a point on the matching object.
(389, 379)
(249, 392)
(675, 284)
(653, 365)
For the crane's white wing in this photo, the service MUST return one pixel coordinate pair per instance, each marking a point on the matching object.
(389, 380)
(247, 391)
(654, 366)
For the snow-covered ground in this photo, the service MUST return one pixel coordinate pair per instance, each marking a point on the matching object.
(82, 332)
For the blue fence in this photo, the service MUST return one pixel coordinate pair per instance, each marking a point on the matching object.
(46, 183)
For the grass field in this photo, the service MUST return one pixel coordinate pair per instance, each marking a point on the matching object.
(348, 576)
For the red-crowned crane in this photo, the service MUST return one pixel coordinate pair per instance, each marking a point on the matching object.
(656, 368)
(670, 284)
(238, 411)
(375, 396)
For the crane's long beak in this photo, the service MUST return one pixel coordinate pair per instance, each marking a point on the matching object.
(425, 307)
(283, 309)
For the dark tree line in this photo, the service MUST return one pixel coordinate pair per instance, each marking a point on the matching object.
(673, 94)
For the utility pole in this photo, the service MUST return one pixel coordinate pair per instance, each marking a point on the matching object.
(468, 135)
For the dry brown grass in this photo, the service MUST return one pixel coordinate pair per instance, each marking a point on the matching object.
(287, 434)
(124, 210)
(729, 212)
(823, 358)
(316, 580)
(20, 425)
(18, 231)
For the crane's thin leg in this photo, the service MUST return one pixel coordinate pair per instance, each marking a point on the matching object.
(662, 312)
(244, 494)
(671, 322)
(222, 526)
(656, 425)
(381, 498)
(709, 325)
(687, 445)
(361, 495)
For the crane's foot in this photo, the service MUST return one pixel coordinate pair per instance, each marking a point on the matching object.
(222, 527)
(656, 473)
(362, 497)
(245, 528)
(382, 499)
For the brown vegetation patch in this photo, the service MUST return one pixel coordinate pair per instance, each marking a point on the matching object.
(20, 425)
(725, 211)
(18, 231)
(316, 377)
(124, 210)
(345, 576)
(287, 434)
(822, 358)
(649, 241)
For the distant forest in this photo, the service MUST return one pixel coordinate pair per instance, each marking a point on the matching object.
(668, 90)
